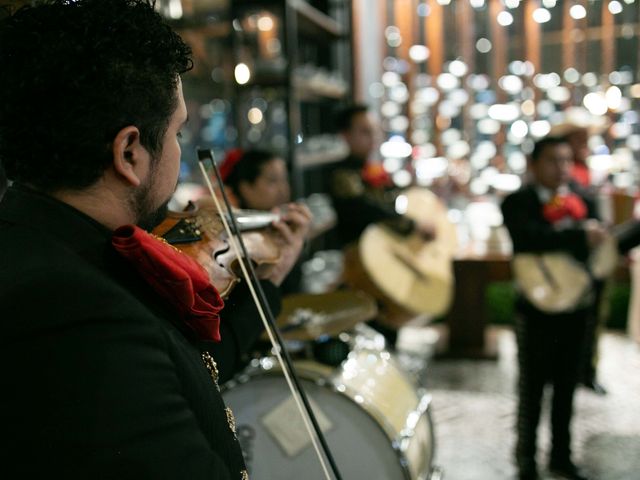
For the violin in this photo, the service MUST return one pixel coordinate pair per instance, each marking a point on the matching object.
(199, 232)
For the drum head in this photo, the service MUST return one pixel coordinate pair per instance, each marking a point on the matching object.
(276, 446)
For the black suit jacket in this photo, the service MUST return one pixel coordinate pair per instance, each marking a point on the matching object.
(357, 206)
(531, 232)
(97, 380)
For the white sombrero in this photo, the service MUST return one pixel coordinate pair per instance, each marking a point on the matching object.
(578, 118)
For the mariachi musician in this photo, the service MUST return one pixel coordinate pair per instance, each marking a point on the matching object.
(362, 192)
(550, 215)
(258, 180)
(106, 366)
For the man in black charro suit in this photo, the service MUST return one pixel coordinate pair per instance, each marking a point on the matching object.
(548, 215)
(104, 375)
(358, 202)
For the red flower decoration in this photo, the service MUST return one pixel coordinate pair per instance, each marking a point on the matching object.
(232, 157)
(375, 175)
(565, 206)
(175, 276)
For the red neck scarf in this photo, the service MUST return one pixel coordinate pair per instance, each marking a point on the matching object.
(564, 206)
(175, 276)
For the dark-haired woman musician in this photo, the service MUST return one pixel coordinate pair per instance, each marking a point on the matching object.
(258, 180)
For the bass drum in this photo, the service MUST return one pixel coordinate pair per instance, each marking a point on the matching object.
(377, 424)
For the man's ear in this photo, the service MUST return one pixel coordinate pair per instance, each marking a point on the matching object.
(130, 158)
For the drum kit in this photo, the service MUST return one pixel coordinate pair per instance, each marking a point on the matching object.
(376, 420)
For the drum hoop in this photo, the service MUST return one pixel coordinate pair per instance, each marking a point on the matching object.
(260, 367)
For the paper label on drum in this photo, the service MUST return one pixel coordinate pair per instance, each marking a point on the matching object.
(285, 424)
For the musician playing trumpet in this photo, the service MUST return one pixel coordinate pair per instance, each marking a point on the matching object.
(550, 214)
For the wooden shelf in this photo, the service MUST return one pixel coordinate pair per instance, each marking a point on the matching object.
(307, 92)
(306, 160)
(313, 22)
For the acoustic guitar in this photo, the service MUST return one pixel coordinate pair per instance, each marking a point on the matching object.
(413, 274)
(556, 282)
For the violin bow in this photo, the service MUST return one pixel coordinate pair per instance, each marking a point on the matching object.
(233, 232)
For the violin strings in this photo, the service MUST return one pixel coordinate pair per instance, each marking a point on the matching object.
(270, 333)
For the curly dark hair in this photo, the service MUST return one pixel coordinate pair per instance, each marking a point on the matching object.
(74, 73)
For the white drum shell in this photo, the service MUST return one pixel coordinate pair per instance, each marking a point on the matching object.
(380, 423)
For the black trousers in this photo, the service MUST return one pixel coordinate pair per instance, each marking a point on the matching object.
(550, 349)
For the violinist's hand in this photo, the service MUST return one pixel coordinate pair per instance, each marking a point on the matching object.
(293, 227)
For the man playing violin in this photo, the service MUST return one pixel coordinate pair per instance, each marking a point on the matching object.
(111, 350)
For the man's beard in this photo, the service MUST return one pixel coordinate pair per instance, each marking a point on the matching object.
(148, 215)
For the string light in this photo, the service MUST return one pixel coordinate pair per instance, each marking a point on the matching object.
(505, 18)
(577, 12)
(265, 23)
(615, 7)
(541, 15)
(242, 73)
(483, 45)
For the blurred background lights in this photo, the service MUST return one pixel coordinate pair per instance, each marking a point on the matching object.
(488, 126)
(596, 103)
(506, 182)
(589, 79)
(430, 168)
(541, 15)
(528, 108)
(265, 23)
(578, 12)
(242, 73)
(419, 53)
(396, 147)
(450, 136)
(505, 18)
(615, 7)
(559, 94)
(448, 81)
(505, 113)
(571, 75)
(483, 45)
(519, 129)
(255, 115)
(402, 178)
(392, 165)
(458, 68)
(613, 97)
(517, 162)
(511, 84)
(540, 128)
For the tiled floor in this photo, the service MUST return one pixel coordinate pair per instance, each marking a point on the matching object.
(474, 414)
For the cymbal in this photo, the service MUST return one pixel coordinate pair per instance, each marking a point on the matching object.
(307, 316)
